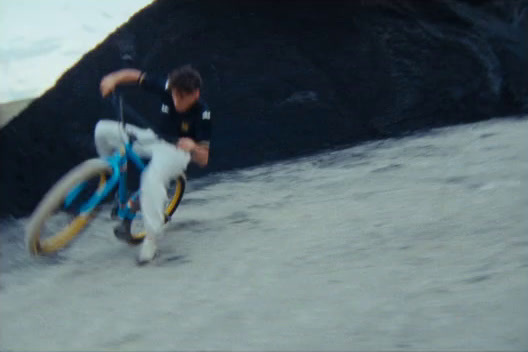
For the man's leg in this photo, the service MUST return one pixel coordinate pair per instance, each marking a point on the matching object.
(166, 164)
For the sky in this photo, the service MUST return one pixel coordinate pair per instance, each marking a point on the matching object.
(41, 39)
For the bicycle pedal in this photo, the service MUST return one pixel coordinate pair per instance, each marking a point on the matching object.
(122, 232)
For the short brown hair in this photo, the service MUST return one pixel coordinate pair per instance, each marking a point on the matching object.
(185, 79)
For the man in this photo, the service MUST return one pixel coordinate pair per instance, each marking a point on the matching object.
(185, 131)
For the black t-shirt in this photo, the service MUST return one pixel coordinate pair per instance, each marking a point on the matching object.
(195, 123)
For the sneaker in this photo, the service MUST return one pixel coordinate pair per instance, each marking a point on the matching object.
(148, 250)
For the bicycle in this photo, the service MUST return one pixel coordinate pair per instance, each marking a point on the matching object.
(81, 191)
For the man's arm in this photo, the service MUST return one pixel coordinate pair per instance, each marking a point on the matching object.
(199, 152)
(124, 76)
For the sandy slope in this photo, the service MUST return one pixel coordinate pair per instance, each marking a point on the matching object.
(412, 244)
(12, 109)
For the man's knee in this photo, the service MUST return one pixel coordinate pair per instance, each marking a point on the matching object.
(103, 128)
(105, 135)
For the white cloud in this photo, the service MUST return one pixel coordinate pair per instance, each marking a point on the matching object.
(39, 40)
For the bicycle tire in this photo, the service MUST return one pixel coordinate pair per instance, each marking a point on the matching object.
(176, 198)
(53, 200)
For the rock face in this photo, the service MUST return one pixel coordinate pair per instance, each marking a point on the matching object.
(285, 79)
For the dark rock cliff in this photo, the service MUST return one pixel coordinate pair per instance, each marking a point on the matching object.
(285, 78)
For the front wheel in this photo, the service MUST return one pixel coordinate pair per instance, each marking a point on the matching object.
(46, 234)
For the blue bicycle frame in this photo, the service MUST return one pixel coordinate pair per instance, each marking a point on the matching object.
(119, 164)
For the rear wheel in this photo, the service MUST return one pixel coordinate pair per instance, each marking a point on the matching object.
(175, 195)
(60, 215)
(175, 192)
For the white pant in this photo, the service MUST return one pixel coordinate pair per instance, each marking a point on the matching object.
(166, 163)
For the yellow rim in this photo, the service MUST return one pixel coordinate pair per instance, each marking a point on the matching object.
(102, 182)
(61, 239)
(175, 198)
(138, 236)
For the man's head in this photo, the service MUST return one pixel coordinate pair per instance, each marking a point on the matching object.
(185, 83)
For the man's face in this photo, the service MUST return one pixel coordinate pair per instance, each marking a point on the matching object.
(183, 101)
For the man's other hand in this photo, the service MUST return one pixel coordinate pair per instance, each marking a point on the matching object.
(186, 144)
